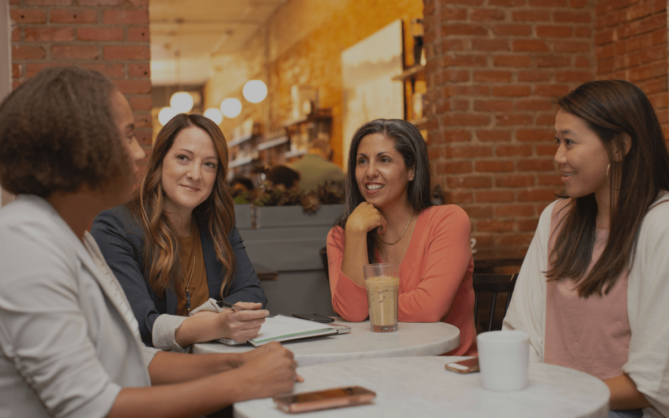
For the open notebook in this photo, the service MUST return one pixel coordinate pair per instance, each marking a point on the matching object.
(284, 328)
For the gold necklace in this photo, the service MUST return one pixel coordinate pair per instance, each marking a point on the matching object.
(405, 230)
(188, 287)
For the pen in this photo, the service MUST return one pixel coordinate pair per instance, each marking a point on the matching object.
(236, 308)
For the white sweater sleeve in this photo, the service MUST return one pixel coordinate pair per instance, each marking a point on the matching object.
(527, 311)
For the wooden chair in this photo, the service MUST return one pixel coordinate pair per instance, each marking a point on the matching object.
(493, 283)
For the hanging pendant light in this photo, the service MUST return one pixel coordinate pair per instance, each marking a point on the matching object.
(214, 114)
(231, 107)
(166, 114)
(255, 91)
(181, 102)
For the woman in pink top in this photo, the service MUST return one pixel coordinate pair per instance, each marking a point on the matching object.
(593, 290)
(389, 218)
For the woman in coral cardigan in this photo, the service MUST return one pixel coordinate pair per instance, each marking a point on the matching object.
(389, 218)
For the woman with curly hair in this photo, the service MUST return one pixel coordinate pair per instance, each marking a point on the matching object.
(70, 344)
(175, 247)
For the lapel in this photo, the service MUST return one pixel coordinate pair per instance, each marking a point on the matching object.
(212, 266)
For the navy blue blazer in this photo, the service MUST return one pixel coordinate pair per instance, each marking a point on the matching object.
(121, 240)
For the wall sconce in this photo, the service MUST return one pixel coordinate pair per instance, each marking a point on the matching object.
(182, 102)
(231, 107)
(166, 114)
(255, 91)
(214, 114)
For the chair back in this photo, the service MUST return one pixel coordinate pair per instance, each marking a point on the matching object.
(494, 284)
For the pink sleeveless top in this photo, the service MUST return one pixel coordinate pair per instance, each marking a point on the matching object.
(591, 335)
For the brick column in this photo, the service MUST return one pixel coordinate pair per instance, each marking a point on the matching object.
(110, 36)
(631, 44)
(494, 68)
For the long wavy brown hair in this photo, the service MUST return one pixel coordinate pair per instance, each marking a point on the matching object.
(614, 110)
(161, 246)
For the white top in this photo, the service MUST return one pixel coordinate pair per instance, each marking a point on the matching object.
(421, 387)
(647, 303)
(67, 334)
(411, 339)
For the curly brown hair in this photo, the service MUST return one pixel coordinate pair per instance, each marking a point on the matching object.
(161, 246)
(58, 133)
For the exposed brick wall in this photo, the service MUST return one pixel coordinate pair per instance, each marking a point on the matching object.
(110, 36)
(631, 44)
(494, 70)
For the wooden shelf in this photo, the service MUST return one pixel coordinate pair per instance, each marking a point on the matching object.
(240, 140)
(240, 161)
(291, 154)
(409, 72)
(272, 143)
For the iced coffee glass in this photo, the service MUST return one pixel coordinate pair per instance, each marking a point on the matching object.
(382, 282)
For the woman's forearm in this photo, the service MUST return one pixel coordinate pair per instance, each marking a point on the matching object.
(624, 394)
(355, 256)
(197, 329)
(169, 367)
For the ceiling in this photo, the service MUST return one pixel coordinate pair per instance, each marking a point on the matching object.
(185, 34)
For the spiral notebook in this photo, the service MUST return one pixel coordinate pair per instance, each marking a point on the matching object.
(285, 328)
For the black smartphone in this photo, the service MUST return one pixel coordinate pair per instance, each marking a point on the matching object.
(314, 317)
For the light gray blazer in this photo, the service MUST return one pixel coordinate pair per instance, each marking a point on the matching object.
(68, 339)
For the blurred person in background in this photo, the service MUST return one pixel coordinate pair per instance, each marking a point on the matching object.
(316, 166)
(287, 177)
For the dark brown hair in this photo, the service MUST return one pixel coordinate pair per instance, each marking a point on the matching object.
(408, 142)
(612, 109)
(161, 246)
(58, 133)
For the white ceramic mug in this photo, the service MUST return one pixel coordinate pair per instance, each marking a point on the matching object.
(504, 360)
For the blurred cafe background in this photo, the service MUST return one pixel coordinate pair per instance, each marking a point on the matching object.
(477, 77)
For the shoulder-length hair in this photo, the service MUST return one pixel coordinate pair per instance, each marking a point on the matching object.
(161, 246)
(613, 110)
(408, 142)
(58, 133)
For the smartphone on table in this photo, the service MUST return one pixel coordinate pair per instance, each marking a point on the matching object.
(470, 365)
(314, 317)
(324, 399)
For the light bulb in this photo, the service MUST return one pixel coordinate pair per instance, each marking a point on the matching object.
(166, 114)
(231, 107)
(182, 102)
(214, 114)
(255, 91)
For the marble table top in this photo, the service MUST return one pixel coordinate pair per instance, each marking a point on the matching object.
(421, 387)
(411, 339)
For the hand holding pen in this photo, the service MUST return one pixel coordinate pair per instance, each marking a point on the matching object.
(242, 321)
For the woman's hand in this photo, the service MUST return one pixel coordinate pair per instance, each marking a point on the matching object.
(270, 370)
(365, 218)
(242, 325)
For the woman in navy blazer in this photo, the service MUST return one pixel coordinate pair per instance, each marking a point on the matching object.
(175, 247)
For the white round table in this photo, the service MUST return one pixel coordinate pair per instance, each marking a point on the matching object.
(411, 339)
(421, 387)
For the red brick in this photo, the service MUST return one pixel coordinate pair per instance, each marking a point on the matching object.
(478, 211)
(455, 75)
(511, 91)
(125, 17)
(572, 46)
(73, 16)
(548, 3)
(464, 61)
(492, 166)
(453, 167)
(530, 16)
(514, 180)
(554, 31)
(534, 105)
(582, 62)
(494, 196)
(493, 136)
(466, 91)
(536, 165)
(493, 105)
(490, 45)
(100, 34)
(140, 3)
(456, 135)
(459, 198)
(512, 30)
(27, 15)
(534, 75)
(512, 211)
(572, 17)
(530, 45)
(126, 52)
(100, 2)
(469, 182)
(455, 119)
(515, 240)
(546, 149)
(513, 150)
(34, 68)
(527, 225)
(525, 135)
(540, 195)
(648, 71)
(578, 4)
(138, 34)
(133, 86)
(494, 225)
(549, 180)
(142, 120)
(16, 71)
(20, 53)
(573, 76)
(454, 45)
(512, 61)
(41, 34)
(553, 61)
(463, 29)
(75, 52)
(486, 15)
(139, 70)
(468, 151)
(16, 35)
(459, 105)
(545, 119)
(145, 138)
(49, 2)
(583, 32)
(450, 13)
(507, 3)
(492, 76)
(507, 119)
(110, 70)
(16, 84)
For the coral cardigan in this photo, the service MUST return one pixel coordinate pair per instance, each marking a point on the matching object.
(435, 276)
